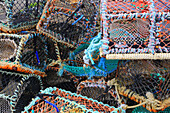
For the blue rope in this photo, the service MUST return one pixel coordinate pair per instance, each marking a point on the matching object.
(38, 60)
(78, 19)
(52, 105)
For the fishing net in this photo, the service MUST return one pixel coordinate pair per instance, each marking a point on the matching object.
(129, 28)
(91, 89)
(97, 90)
(54, 80)
(64, 106)
(162, 34)
(67, 23)
(34, 51)
(17, 90)
(54, 94)
(162, 5)
(17, 15)
(9, 49)
(23, 53)
(9, 45)
(144, 78)
(2, 12)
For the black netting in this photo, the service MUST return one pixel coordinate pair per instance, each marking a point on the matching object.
(72, 23)
(34, 52)
(8, 83)
(64, 82)
(22, 90)
(30, 91)
(4, 106)
(26, 10)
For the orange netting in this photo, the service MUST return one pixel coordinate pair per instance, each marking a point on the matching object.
(88, 104)
(136, 26)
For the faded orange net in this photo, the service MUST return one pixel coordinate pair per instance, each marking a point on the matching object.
(64, 99)
(163, 33)
(121, 6)
(136, 26)
(162, 5)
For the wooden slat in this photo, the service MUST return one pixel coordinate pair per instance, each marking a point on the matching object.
(156, 56)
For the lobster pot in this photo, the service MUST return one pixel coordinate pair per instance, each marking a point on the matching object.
(131, 31)
(68, 21)
(96, 90)
(144, 76)
(17, 90)
(17, 15)
(54, 94)
(34, 52)
(63, 105)
(28, 50)
(9, 45)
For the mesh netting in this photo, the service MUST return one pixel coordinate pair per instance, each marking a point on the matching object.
(96, 89)
(2, 12)
(91, 89)
(129, 26)
(63, 105)
(54, 80)
(8, 49)
(162, 36)
(4, 106)
(17, 90)
(9, 45)
(129, 34)
(162, 5)
(146, 76)
(20, 14)
(128, 6)
(69, 23)
(23, 53)
(89, 105)
(34, 52)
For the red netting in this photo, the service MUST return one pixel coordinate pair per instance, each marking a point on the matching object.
(70, 99)
(130, 26)
(128, 6)
(163, 33)
(162, 5)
